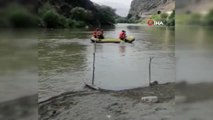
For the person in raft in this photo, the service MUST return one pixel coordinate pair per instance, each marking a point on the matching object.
(98, 33)
(101, 36)
(95, 32)
(122, 35)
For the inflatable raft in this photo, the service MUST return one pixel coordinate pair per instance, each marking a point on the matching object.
(129, 39)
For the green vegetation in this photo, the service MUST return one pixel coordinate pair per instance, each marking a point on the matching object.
(171, 19)
(22, 19)
(209, 18)
(106, 15)
(124, 20)
(164, 16)
(17, 16)
(79, 13)
(182, 18)
(156, 17)
(52, 19)
(50, 16)
(195, 19)
(168, 20)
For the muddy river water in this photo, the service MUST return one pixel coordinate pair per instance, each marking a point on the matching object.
(66, 56)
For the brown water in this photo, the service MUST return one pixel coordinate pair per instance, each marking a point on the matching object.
(18, 64)
(65, 59)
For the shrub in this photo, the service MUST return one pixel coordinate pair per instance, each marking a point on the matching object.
(171, 19)
(3, 21)
(75, 24)
(209, 18)
(20, 17)
(46, 7)
(80, 24)
(79, 13)
(71, 23)
(155, 17)
(23, 19)
(106, 15)
(171, 22)
(164, 15)
(53, 20)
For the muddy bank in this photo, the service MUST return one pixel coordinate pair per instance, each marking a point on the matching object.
(194, 101)
(194, 92)
(105, 105)
(24, 108)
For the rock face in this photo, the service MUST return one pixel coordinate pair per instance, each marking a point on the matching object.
(145, 8)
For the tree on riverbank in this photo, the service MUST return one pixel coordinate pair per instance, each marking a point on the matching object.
(57, 14)
(124, 20)
(17, 16)
(106, 15)
(171, 19)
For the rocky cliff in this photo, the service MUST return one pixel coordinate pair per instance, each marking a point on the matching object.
(145, 8)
